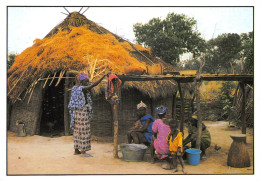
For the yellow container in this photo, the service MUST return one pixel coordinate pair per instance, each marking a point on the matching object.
(188, 72)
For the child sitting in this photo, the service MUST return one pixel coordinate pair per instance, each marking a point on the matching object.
(175, 146)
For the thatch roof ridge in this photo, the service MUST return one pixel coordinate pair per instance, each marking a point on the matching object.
(42, 59)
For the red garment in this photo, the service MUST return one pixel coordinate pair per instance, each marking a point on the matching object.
(110, 86)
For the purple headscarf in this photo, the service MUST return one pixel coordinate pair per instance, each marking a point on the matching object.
(83, 76)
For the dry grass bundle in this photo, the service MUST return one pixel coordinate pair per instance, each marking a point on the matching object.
(155, 69)
(131, 70)
(156, 88)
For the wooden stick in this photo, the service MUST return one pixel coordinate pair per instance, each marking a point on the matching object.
(31, 92)
(60, 77)
(46, 81)
(115, 118)
(56, 78)
(64, 13)
(80, 9)
(243, 120)
(66, 10)
(66, 110)
(174, 106)
(85, 10)
(182, 107)
(199, 124)
(16, 82)
(171, 82)
(52, 79)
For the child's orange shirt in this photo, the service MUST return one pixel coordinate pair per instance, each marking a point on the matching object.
(177, 142)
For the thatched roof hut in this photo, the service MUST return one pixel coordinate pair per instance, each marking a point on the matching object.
(80, 44)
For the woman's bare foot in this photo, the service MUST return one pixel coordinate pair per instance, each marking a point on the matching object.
(77, 152)
(184, 171)
(175, 170)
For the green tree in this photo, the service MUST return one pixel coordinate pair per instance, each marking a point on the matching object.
(247, 52)
(11, 59)
(222, 53)
(170, 37)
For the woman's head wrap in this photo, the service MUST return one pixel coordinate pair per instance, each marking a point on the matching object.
(160, 110)
(141, 104)
(83, 76)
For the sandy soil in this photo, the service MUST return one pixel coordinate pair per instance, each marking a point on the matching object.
(44, 155)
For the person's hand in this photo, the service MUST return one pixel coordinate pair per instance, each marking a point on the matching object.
(179, 151)
(108, 74)
(168, 152)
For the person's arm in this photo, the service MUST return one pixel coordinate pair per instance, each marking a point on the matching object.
(72, 72)
(95, 83)
(169, 138)
(144, 128)
(187, 140)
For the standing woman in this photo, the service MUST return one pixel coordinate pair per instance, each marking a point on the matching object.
(81, 113)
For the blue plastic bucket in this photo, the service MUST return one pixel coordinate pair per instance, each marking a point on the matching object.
(193, 156)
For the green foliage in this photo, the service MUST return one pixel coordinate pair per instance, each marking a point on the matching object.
(170, 37)
(222, 52)
(10, 61)
(226, 99)
(247, 40)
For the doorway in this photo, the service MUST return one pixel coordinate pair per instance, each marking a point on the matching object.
(52, 119)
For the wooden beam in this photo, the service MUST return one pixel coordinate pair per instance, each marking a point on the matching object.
(65, 108)
(243, 107)
(155, 77)
(188, 78)
(182, 107)
(199, 124)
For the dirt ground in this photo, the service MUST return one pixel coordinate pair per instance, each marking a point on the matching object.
(37, 155)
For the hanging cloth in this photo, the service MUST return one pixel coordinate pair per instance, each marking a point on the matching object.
(110, 86)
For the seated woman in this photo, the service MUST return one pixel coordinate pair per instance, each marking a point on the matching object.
(205, 136)
(142, 135)
(161, 129)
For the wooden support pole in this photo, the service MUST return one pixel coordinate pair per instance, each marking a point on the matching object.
(152, 107)
(115, 118)
(174, 106)
(243, 107)
(66, 110)
(199, 124)
(182, 107)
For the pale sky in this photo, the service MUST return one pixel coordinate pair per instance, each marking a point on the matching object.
(25, 24)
